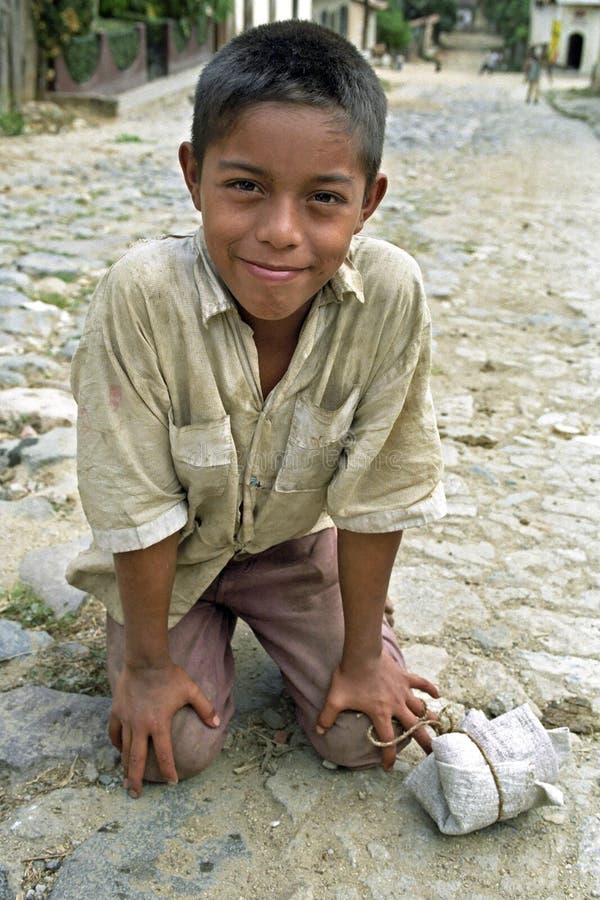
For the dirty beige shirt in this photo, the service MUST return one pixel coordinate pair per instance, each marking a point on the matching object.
(174, 434)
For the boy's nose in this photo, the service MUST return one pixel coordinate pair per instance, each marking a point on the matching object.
(279, 224)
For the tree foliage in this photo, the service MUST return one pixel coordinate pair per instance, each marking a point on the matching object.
(56, 22)
(446, 9)
(393, 30)
(510, 19)
(181, 10)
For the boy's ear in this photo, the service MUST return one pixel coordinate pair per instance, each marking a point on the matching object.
(373, 198)
(191, 171)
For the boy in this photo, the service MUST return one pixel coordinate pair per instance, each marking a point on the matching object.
(238, 390)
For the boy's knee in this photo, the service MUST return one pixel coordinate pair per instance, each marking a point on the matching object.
(346, 742)
(195, 746)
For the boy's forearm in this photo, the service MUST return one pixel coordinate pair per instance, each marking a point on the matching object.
(365, 564)
(145, 581)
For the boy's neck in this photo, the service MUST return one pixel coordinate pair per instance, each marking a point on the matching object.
(275, 341)
(279, 332)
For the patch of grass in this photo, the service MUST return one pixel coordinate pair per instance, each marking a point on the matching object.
(55, 299)
(25, 607)
(58, 669)
(11, 123)
(581, 92)
(128, 139)
(559, 100)
(76, 661)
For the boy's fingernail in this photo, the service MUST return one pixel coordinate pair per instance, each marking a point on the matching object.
(133, 794)
(215, 721)
(172, 782)
(320, 729)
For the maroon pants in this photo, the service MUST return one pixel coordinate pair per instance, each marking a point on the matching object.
(290, 597)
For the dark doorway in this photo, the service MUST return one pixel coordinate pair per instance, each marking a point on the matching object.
(575, 51)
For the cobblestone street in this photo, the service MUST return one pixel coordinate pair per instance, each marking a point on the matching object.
(498, 603)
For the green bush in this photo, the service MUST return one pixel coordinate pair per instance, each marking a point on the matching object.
(123, 9)
(57, 22)
(11, 123)
(201, 27)
(510, 19)
(81, 57)
(393, 31)
(445, 9)
(181, 33)
(124, 46)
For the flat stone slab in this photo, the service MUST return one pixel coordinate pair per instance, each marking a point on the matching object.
(55, 445)
(31, 321)
(41, 727)
(44, 407)
(43, 570)
(28, 508)
(14, 279)
(10, 379)
(17, 641)
(10, 298)
(34, 362)
(49, 264)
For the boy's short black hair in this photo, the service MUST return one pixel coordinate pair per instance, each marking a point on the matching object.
(291, 62)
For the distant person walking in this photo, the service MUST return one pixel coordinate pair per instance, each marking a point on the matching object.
(533, 71)
(490, 62)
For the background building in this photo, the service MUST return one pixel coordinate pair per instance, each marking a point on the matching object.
(573, 27)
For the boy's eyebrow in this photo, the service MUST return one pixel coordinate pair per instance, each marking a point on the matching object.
(332, 177)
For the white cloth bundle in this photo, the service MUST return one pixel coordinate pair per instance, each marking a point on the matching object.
(489, 771)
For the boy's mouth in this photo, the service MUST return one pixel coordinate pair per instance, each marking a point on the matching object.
(267, 272)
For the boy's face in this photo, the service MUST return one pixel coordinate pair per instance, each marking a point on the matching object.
(281, 196)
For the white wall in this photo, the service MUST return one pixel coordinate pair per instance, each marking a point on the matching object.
(305, 9)
(261, 10)
(541, 18)
(588, 25)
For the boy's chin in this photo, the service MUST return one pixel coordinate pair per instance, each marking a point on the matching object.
(273, 313)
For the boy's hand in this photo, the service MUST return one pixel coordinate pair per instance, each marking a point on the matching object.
(145, 700)
(381, 689)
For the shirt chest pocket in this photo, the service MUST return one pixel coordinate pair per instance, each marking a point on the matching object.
(202, 455)
(316, 440)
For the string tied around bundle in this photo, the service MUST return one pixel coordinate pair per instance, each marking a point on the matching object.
(444, 723)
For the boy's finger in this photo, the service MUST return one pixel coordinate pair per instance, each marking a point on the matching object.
(136, 765)
(423, 739)
(326, 718)
(126, 744)
(114, 732)
(204, 708)
(163, 750)
(421, 684)
(419, 707)
(385, 732)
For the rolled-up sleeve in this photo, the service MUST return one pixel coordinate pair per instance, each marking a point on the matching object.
(129, 490)
(389, 477)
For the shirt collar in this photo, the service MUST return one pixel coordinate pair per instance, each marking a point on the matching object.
(212, 290)
(215, 297)
(347, 281)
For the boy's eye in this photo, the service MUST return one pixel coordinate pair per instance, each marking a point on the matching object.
(243, 185)
(327, 197)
